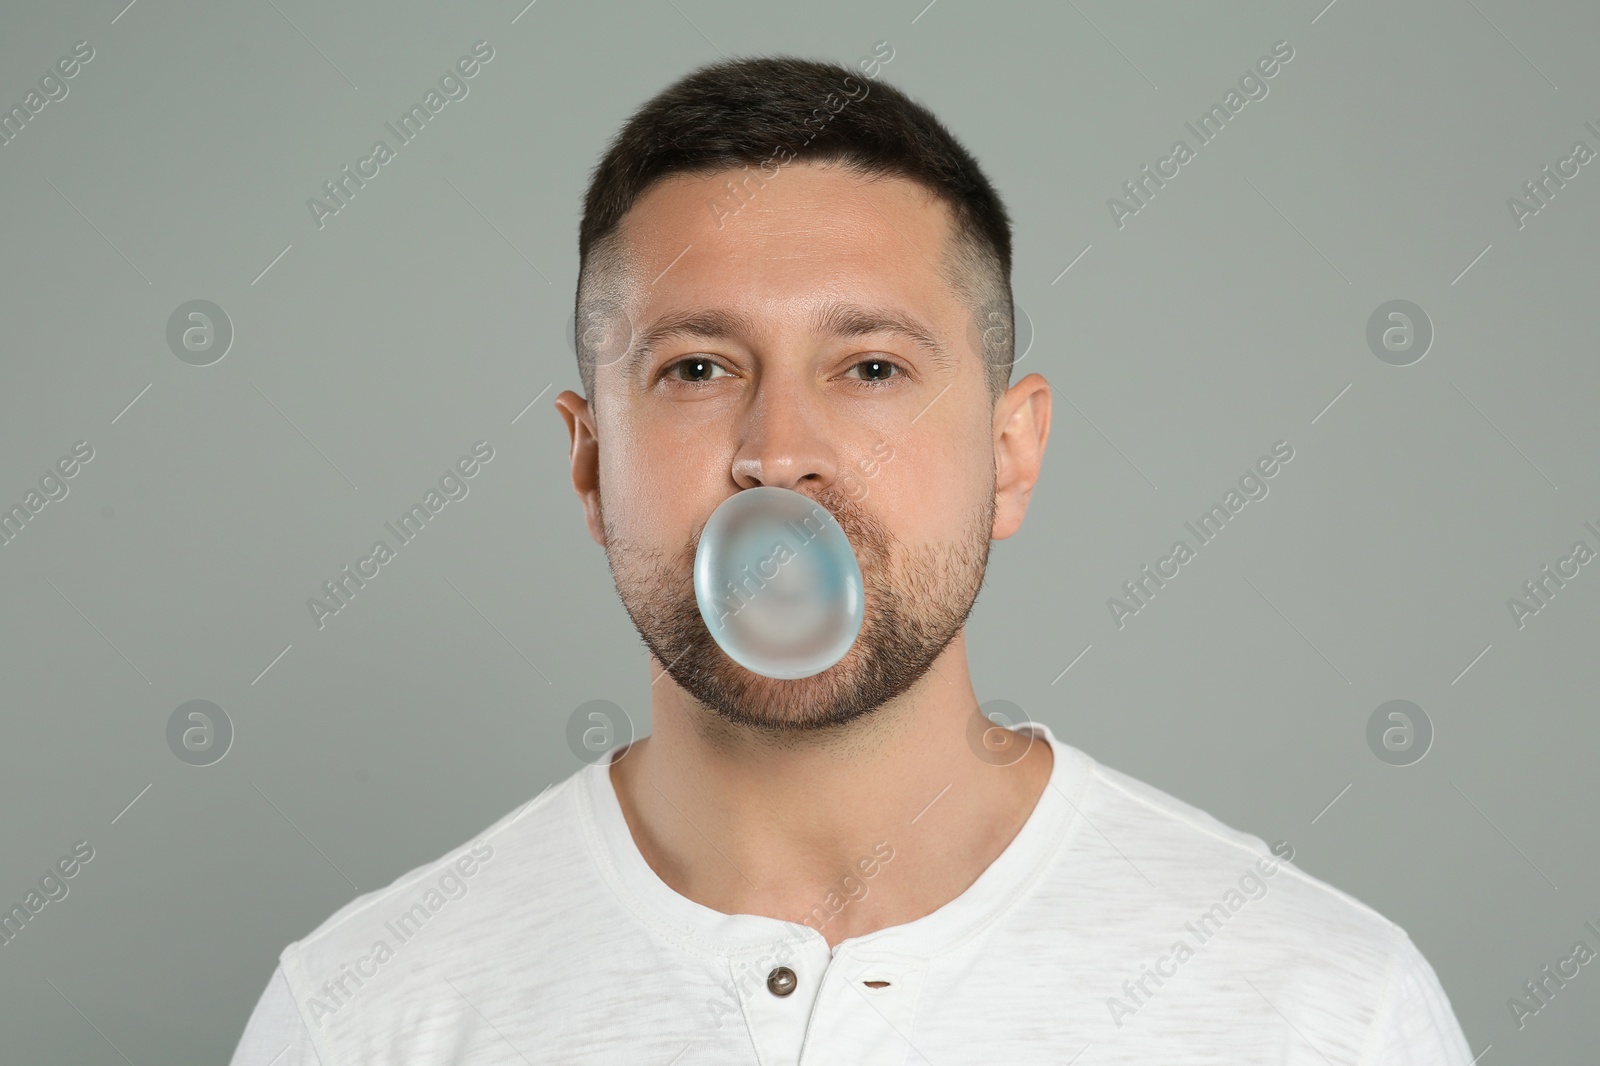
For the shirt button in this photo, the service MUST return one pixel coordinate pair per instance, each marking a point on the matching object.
(781, 981)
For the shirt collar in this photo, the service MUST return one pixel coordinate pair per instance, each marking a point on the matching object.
(710, 933)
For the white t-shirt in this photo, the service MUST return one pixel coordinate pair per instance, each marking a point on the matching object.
(1119, 926)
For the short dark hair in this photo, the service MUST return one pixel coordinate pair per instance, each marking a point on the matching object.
(748, 112)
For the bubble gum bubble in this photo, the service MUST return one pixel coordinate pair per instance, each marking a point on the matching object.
(778, 583)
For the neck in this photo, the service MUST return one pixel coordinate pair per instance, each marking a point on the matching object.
(874, 824)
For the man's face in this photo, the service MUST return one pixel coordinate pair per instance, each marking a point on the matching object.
(792, 377)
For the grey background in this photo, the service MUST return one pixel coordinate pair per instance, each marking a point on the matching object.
(429, 313)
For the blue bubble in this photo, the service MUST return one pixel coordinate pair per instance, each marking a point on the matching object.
(778, 584)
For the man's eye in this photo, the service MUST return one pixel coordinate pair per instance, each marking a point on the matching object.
(694, 370)
(879, 371)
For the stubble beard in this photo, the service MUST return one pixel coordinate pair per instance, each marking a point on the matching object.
(915, 605)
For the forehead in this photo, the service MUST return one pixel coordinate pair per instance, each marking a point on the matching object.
(776, 239)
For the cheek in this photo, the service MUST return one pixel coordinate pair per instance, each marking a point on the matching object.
(928, 497)
(653, 496)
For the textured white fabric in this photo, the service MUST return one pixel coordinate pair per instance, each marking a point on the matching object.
(1120, 926)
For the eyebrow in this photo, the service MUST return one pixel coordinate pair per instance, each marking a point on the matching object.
(835, 319)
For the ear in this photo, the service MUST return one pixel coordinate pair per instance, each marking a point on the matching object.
(585, 456)
(1021, 429)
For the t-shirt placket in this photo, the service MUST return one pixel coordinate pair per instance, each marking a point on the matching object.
(778, 984)
(808, 1006)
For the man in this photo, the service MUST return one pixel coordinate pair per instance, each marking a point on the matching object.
(791, 276)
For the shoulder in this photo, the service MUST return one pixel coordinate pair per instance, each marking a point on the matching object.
(1177, 883)
(275, 1033)
(539, 817)
(515, 868)
(1207, 871)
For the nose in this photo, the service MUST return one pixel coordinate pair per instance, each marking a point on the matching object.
(787, 442)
